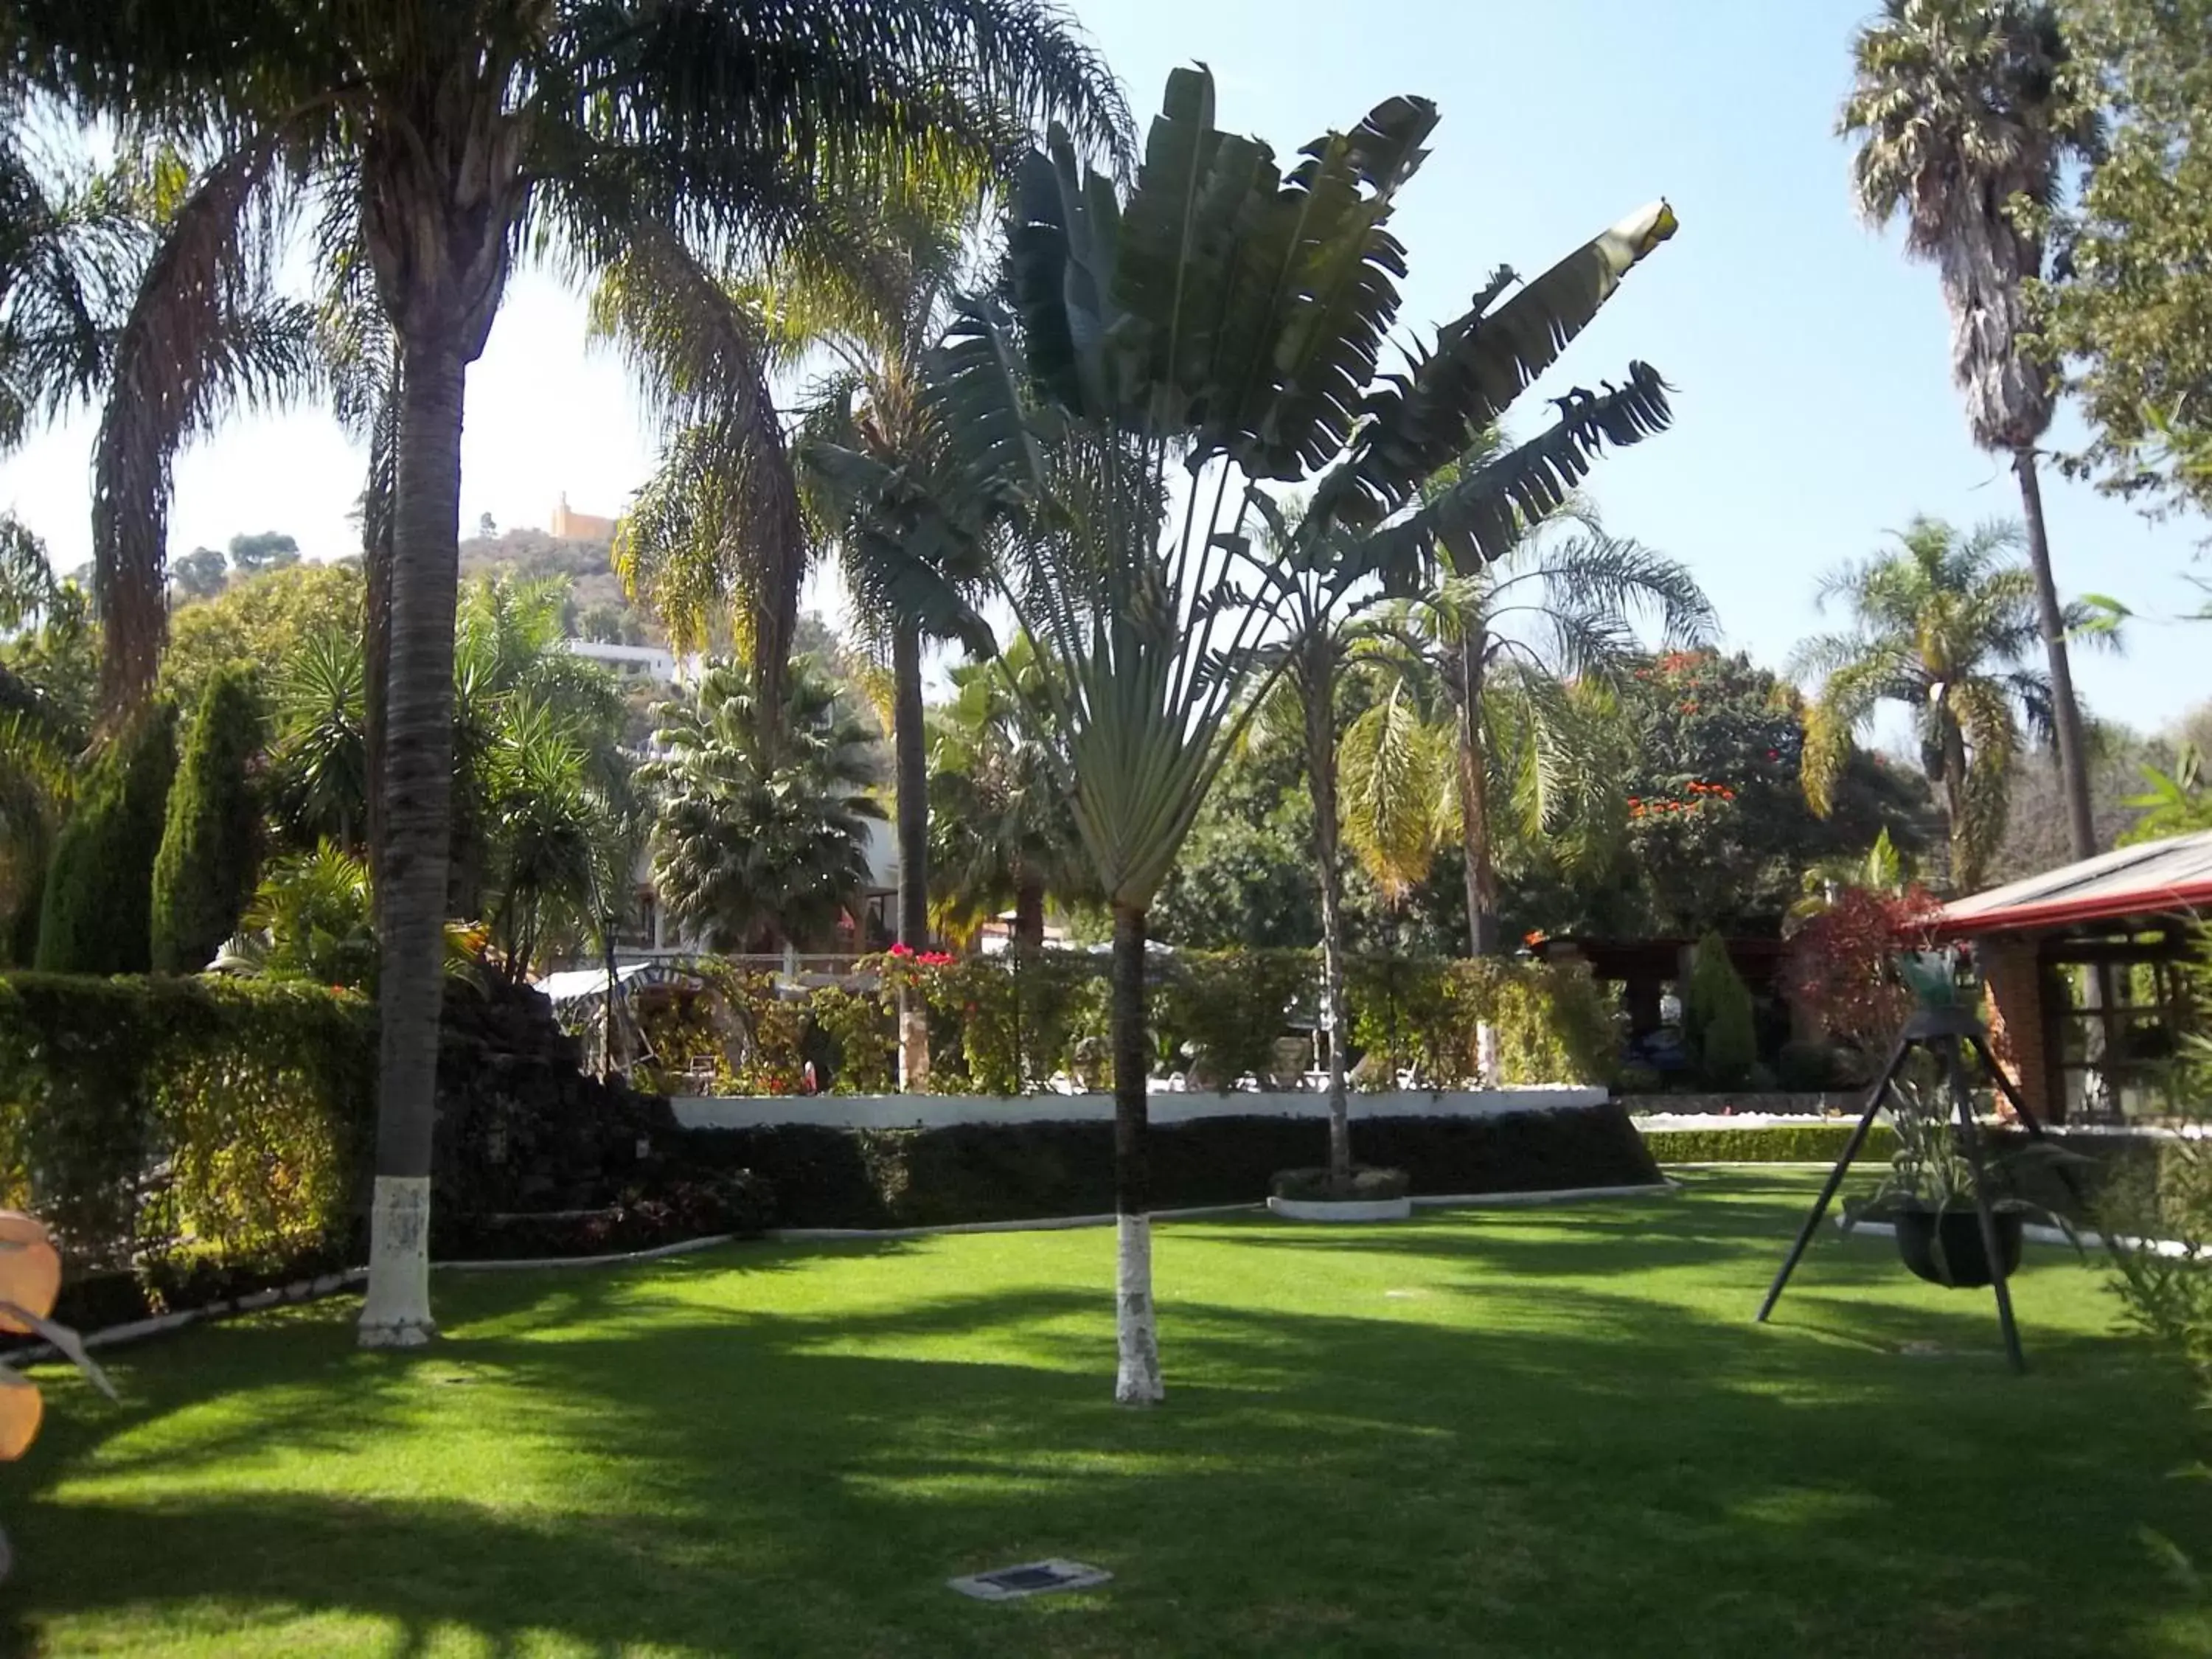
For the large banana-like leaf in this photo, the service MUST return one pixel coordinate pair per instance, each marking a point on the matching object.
(1491, 508)
(1339, 294)
(975, 392)
(1417, 423)
(1196, 193)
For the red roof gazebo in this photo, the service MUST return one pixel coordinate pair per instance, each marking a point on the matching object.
(2083, 968)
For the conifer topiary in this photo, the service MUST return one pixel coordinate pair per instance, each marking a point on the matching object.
(97, 914)
(209, 855)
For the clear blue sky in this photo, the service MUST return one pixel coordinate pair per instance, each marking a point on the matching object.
(1815, 409)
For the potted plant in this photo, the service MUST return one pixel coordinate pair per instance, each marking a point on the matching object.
(1927, 1197)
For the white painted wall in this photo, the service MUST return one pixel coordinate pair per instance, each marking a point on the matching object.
(944, 1111)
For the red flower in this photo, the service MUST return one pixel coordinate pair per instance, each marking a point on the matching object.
(1774, 754)
(902, 949)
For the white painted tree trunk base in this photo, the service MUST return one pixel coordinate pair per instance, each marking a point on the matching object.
(1485, 1053)
(1138, 1381)
(396, 1312)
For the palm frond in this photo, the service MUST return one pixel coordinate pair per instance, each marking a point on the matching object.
(199, 339)
(1413, 424)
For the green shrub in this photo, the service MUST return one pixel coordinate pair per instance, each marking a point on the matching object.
(864, 1031)
(1226, 1008)
(1551, 1020)
(1808, 1143)
(1717, 1017)
(179, 1127)
(204, 871)
(96, 916)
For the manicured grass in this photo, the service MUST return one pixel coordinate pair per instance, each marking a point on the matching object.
(1552, 1432)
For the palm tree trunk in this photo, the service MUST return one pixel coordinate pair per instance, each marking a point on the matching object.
(417, 784)
(911, 778)
(1318, 684)
(1137, 1379)
(1028, 912)
(1474, 801)
(2065, 712)
(1965, 858)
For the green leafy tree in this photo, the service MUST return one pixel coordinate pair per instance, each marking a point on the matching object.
(269, 550)
(200, 574)
(1720, 828)
(2133, 313)
(761, 835)
(1966, 119)
(97, 912)
(439, 141)
(1000, 832)
(261, 619)
(1941, 625)
(210, 850)
(1183, 352)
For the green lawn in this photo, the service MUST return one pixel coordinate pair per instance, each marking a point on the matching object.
(1549, 1432)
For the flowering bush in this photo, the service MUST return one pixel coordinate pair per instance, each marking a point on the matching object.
(1842, 962)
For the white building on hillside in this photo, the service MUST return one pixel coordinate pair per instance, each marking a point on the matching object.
(655, 663)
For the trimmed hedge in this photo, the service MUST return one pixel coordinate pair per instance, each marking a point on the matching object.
(193, 1138)
(1002, 1025)
(193, 1133)
(828, 1177)
(1809, 1143)
(2132, 1184)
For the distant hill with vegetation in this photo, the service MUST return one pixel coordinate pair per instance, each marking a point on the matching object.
(601, 610)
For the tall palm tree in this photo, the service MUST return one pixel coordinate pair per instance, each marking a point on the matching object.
(1512, 638)
(1184, 351)
(1964, 109)
(441, 137)
(863, 291)
(761, 832)
(1942, 624)
(1000, 831)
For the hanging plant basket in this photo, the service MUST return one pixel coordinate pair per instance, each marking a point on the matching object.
(1944, 1247)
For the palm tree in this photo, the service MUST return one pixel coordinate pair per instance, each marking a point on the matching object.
(864, 289)
(1941, 625)
(1000, 831)
(1964, 111)
(555, 858)
(321, 751)
(1182, 352)
(1557, 611)
(762, 834)
(441, 138)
